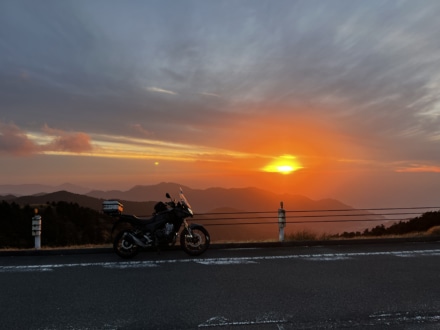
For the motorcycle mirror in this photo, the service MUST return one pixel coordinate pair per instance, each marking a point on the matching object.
(167, 195)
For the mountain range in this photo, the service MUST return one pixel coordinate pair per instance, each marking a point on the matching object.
(32, 189)
(206, 203)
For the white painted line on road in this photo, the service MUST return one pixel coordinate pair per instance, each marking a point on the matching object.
(220, 321)
(129, 265)
(377, 320)
(51, 267)
(219, 261)
(229, 261)
(330, 257)
(404, 317)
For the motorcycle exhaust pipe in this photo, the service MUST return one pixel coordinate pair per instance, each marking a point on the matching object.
(138, 241)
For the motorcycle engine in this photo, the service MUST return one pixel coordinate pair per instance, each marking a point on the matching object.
(166, 232)
(168, 228)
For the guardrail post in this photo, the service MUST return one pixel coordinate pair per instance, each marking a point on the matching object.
(281, 221)
(36, 229)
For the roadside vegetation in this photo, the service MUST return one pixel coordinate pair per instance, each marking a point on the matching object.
(63, 224)
(307, 235)
(426, 224)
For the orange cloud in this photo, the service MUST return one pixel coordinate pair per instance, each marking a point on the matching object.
(15, 142)
(75, 142)
(417, 168)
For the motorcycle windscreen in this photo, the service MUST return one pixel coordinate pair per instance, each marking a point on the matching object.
(183, 199)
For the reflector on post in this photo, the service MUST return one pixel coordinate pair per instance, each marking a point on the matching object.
(36, 229)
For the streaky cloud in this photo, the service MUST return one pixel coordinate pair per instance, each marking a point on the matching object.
(160, 90)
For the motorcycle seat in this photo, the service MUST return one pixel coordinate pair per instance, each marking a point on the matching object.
(136, 220)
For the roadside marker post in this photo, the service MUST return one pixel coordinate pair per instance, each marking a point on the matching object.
(281, 222)
(36, 229)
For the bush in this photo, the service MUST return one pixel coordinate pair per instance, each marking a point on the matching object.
(434, 231)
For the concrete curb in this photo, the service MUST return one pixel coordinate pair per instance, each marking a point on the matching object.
(244, 245)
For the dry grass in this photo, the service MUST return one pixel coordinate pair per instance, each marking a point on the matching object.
(307, 235)
(49, 248)
(244, 241)
(434, 231)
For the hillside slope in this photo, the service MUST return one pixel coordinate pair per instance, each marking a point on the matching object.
(138, 208)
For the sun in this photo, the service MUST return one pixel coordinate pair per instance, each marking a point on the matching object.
(285, 169)
(284, 164)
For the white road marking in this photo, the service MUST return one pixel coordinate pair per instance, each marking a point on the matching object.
(221, 321)
(229, 261)
(218, 261)
(404, 317)
(375, 320)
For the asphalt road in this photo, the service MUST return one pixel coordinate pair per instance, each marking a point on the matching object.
(394, 286)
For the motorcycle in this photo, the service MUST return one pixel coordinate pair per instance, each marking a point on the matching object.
(162, 229)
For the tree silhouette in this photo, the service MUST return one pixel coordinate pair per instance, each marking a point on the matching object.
(63, 224)
(415, 225)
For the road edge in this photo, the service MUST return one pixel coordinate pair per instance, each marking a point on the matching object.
(238, 245)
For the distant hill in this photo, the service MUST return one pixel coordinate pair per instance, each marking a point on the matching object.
(205, 200)
(32, 189)
(142, 193)
(138, 208)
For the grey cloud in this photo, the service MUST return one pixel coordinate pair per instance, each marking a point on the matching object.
(364, 65)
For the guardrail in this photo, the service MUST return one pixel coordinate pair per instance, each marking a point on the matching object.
(296, 215)
(310, 217)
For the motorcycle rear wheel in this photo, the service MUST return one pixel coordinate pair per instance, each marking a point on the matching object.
(195, 244)
(124, 246)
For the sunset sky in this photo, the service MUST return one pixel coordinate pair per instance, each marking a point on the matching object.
(327, 99)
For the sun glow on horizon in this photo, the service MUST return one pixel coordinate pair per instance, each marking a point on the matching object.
(284, 164)
(285, 169)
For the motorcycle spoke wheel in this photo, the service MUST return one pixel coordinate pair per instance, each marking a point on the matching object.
(124, 247)
(195, 244)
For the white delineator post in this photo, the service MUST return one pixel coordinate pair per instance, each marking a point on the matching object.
(36, 229)
(281, 221)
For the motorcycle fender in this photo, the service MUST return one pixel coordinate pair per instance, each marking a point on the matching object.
(195, 226)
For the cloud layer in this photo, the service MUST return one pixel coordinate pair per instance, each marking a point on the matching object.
(16, 142)
(354, 82)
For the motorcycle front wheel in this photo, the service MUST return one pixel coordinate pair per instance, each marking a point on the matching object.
(195, 243)
(124, 246)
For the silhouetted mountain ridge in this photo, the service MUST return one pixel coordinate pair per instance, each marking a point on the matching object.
(138, 208)
(140, 200)
(141, 193)
(202, 200)
(32, 189)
